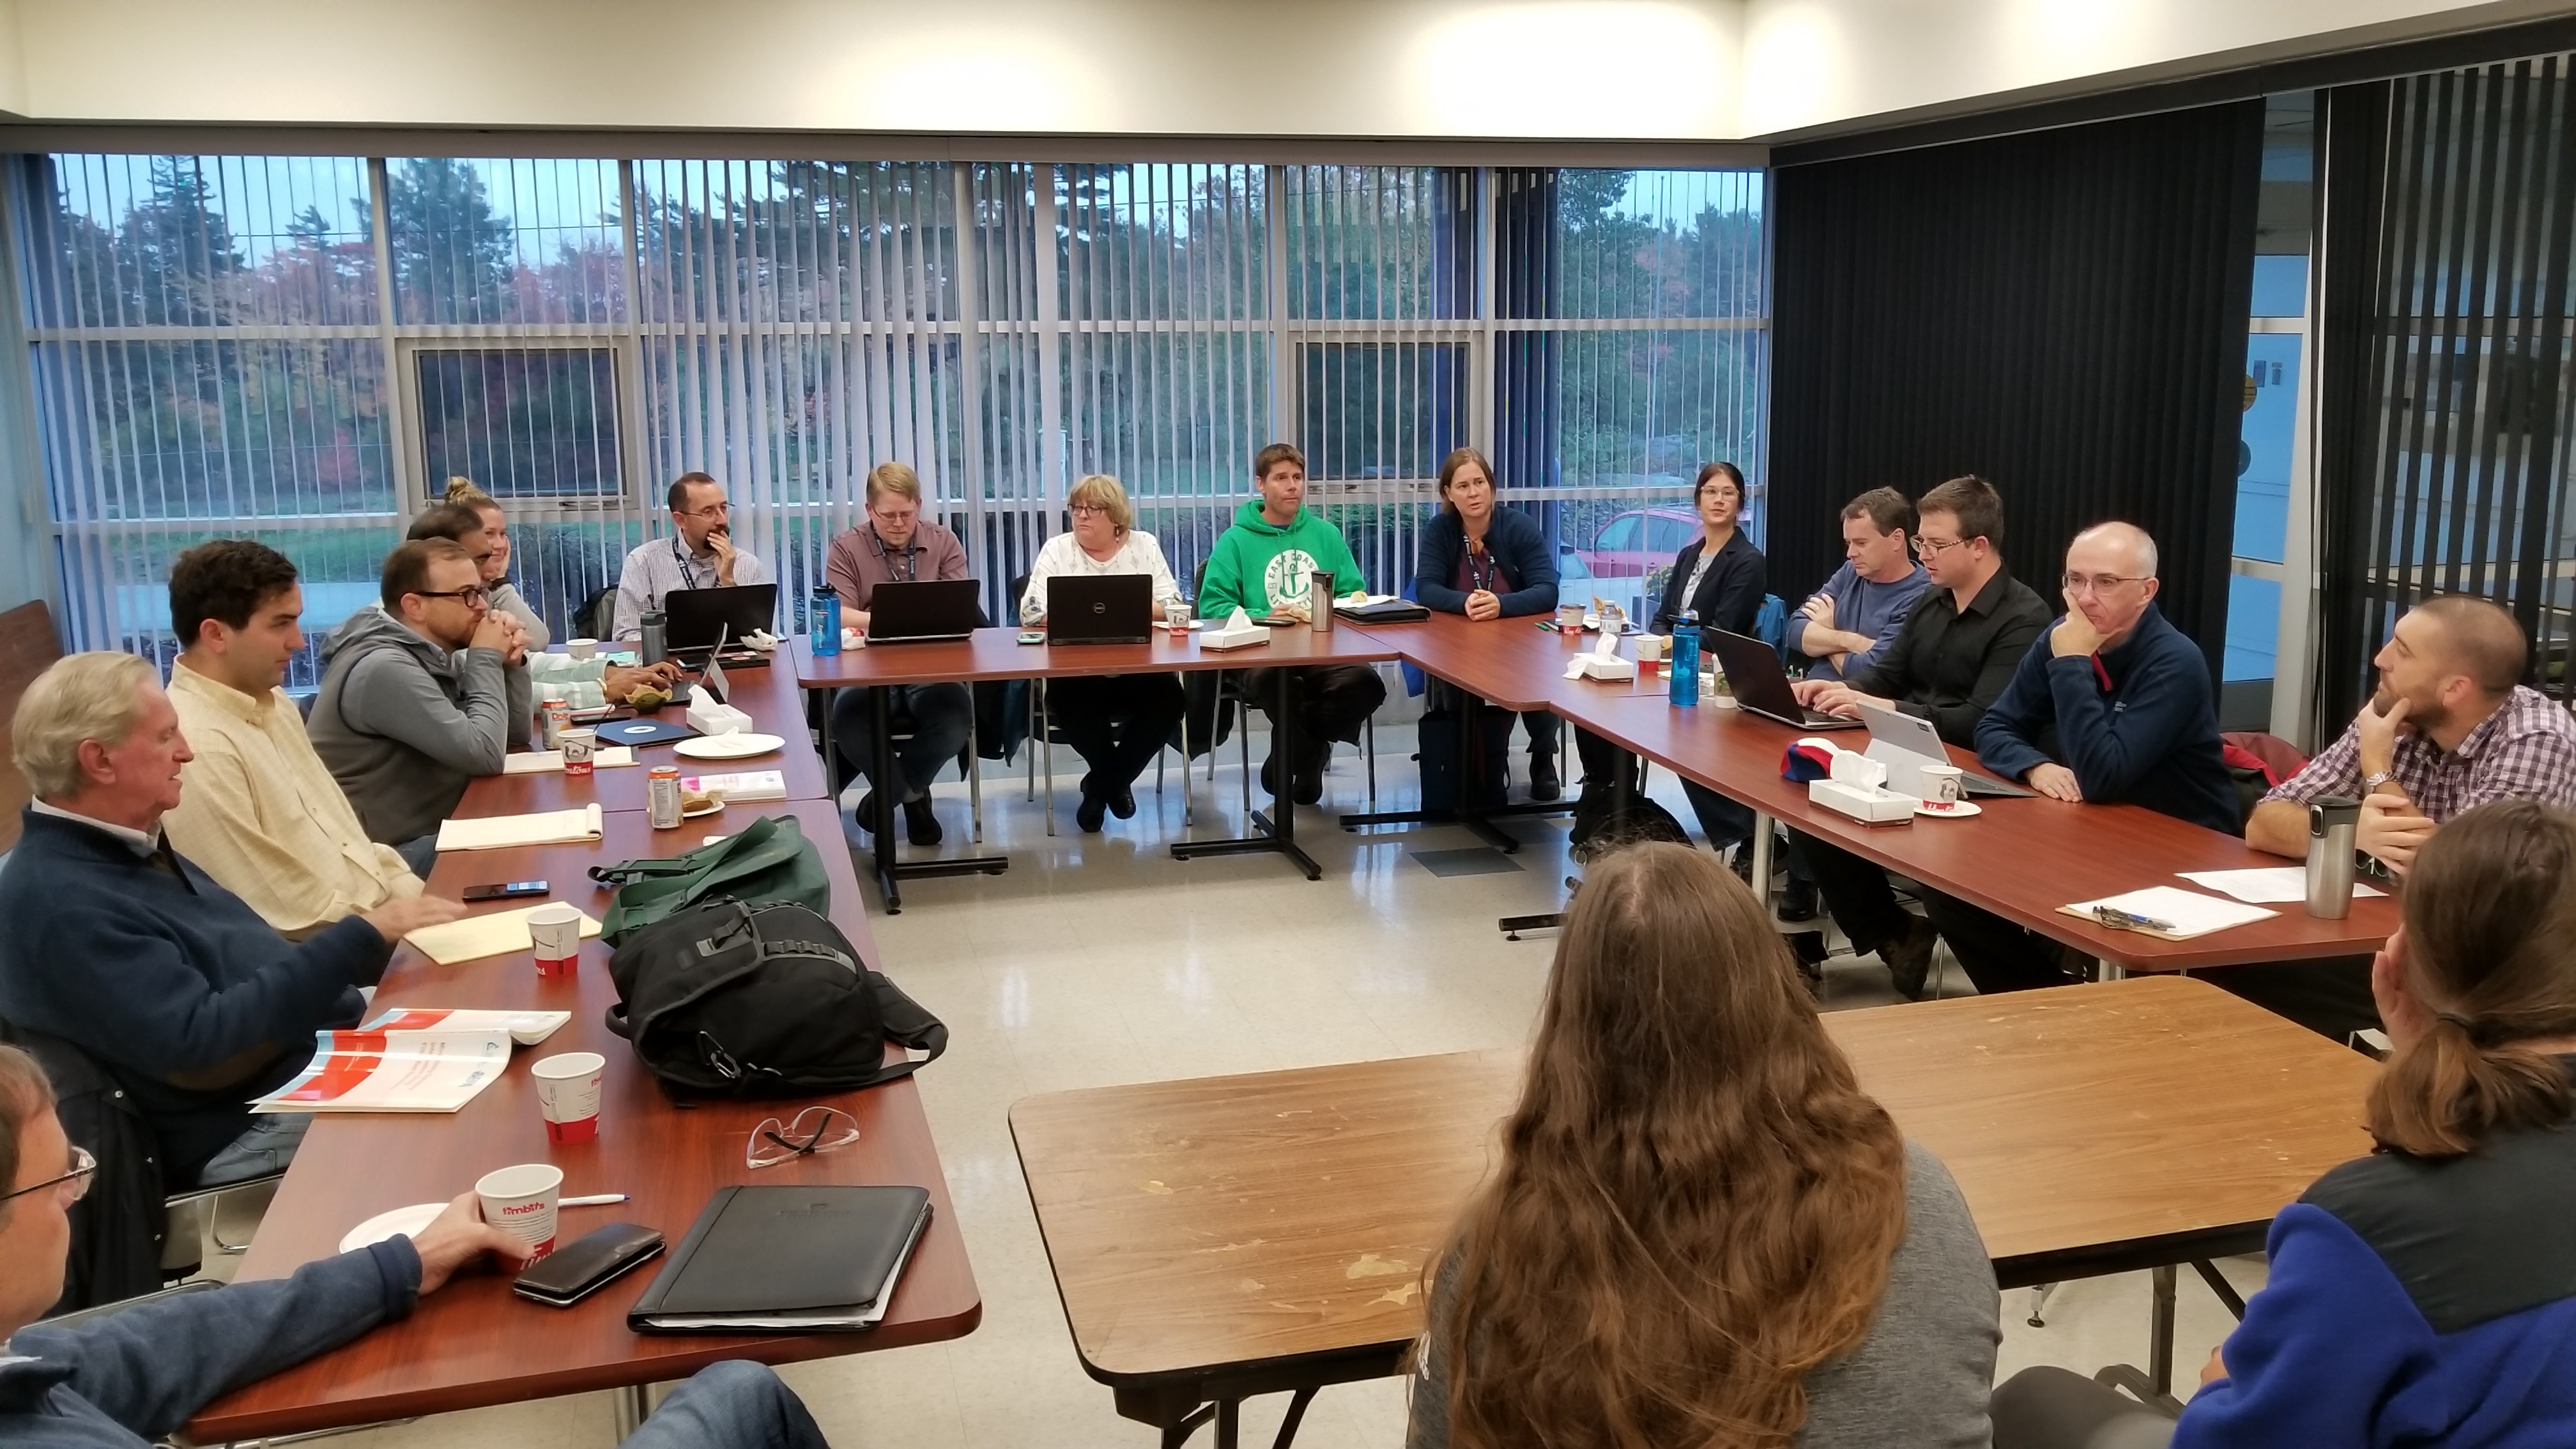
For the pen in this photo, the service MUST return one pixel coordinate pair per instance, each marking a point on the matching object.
(2120, 920)
(595, 1200)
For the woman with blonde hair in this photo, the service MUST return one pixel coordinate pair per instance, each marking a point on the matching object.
(496, 569)
(2425, 1294)
(1116, 722)
(1702, 1232)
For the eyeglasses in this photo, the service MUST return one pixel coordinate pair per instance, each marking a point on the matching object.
(712, 510)
(816, 1129)
(476, 597)
(73, 1185)
(1935, 547)
(1086, 510)
(2096, 583)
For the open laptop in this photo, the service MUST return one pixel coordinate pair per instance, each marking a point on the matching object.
(1761, 685)
(1100, 608)
(923, 610)
(1905, 743)
(694, 621)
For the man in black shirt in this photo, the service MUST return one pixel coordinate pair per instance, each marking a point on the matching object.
(1956, 653)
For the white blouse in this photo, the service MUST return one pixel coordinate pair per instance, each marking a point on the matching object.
(1137, 553)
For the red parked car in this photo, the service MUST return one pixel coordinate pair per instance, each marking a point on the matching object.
(1639, 540)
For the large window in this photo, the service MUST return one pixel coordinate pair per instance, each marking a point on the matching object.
(305, 349)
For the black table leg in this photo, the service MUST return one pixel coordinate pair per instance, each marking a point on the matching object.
(1468, 717)
(1623, 792)
(1280, 835)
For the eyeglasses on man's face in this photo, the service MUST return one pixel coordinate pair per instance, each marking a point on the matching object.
(2097, 584)
(72, 1185)
(476, 597)
(1935, 547)
(717, 509)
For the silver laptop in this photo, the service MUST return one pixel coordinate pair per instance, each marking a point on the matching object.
(1904, 743)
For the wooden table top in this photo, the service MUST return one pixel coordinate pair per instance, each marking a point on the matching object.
(769, 694)
(998, 654)
(1197, 1227)
(473, 1343)
(2021, 859)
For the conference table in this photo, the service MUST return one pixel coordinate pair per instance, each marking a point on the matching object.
(996, 654)
(473, 1343)
(2019, 858)
(1224, 1237)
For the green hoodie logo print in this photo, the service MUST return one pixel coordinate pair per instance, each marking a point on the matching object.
(1289, 577)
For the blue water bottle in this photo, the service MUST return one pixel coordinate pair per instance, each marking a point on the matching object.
(823, 617)
(1685, 659)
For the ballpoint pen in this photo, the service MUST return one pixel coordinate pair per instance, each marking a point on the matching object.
(595, 1200)
(2120, 920)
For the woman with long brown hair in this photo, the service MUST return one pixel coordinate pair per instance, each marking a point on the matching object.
(2425, 1294)
(1703, 1233)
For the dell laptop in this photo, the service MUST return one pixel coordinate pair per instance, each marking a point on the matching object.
(1762, 686)
(924, 610)
(694, 620)
(1905, 743)
(1100, 608)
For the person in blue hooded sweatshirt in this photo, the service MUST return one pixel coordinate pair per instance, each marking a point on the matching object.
(2426, 1293)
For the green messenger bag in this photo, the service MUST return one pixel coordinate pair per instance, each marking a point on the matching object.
(768, 860)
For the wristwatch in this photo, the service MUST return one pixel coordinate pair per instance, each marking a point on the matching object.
(2376, 779)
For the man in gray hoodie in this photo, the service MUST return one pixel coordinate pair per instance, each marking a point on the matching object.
(420, 694)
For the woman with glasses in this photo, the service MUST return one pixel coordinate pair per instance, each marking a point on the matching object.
(1490, 563)
(2426, 1293)
(1700, 1230)
(1116, 722)
(461, 492)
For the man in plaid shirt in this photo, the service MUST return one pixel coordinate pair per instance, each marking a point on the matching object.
(2451, 727)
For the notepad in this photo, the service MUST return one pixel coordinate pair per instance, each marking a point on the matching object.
(2188, 913)
(475, 937)
(2263, 885)
(545, 827)
(541, 762)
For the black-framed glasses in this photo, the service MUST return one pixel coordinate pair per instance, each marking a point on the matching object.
(816, 1129)
(74, 1185)
(477, 597)
(1938, 546)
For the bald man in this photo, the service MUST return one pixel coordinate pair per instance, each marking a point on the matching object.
(2112, 705)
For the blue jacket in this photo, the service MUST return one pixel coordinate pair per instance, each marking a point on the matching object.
(1519, 547)
(2411, 1302)
(2150, 738)
(1862, 606)
(173, 983)
(126, 1379)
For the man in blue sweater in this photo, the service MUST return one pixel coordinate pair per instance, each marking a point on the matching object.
(122, 1380)
(119, 946)
(2112, 705)
(1844, 626)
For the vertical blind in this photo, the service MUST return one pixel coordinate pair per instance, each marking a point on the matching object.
(2451, 238)
(304, 349)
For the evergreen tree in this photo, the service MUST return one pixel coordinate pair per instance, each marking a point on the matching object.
(453, 257)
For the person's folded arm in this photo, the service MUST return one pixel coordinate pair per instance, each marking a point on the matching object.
(2008, 730)
(1434, 560)
(1532, 561)
(388, 693)
(153, 1366)
(1861, 659)
(2112, 750)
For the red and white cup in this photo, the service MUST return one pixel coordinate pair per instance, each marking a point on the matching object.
(554, 933)
(580, 750)
(568, 1094)
(521, 1201)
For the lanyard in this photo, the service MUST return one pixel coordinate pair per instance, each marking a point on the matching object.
(688, 579)
(911, 557)
(1482, 571)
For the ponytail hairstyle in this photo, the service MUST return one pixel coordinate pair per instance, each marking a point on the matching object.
(1696, 1204)
(463, 490)
(2490, 911)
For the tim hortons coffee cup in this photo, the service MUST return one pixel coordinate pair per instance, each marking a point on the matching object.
(568, 1094)
(554, 934)
(521, 1201)
(579, 747)
(1941, 784)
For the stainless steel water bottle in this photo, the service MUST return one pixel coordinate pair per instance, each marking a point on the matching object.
(2332, 822)
(1319, 600)
(651, 651)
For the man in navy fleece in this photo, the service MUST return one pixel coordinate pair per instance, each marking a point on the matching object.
(2114, 705)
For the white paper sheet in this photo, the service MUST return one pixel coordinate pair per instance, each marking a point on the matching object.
(545, 827)
(2189, 913)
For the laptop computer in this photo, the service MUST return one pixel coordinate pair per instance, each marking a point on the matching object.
(695, 620)
(1762, 686)
(1100, 608)
(923, 610)
(1905, 743)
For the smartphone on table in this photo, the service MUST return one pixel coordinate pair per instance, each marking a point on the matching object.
(504, 890)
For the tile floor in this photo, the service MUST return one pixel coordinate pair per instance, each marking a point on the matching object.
(1101, 960)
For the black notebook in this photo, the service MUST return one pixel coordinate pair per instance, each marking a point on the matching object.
(786, 1259)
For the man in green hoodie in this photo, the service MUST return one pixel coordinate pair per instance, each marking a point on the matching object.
(1261, 565)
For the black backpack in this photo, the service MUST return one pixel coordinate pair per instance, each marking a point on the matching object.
(766, 1000)
(1595, 834)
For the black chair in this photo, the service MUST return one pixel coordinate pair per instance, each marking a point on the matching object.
(597, 616)
(1230, 696)
(1044, 737)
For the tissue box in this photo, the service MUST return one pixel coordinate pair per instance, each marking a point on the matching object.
(1605, 666)
(1234, 638)
(1865, 803)
(710, 718)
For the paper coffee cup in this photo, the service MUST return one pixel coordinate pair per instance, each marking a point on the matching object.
(521, 1201)
(1941, 783)
(581, 648)
(568, 1094)
(554, 933)
(579, 745)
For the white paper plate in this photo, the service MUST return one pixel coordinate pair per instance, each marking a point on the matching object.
(400, 1223)
(700, 812)
(1960, 810)
(727, 747)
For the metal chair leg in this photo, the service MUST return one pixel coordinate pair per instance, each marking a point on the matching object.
(1368, 729)
(1039, 742)
(975, 781)
(1035, 735)
(1188, 809)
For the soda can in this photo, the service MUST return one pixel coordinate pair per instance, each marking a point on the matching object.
(662, 796)
(558, 718)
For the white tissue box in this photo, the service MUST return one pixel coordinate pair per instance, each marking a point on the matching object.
(1234, 638)
(710, 718)
(1867, 804)
(1605, 666)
